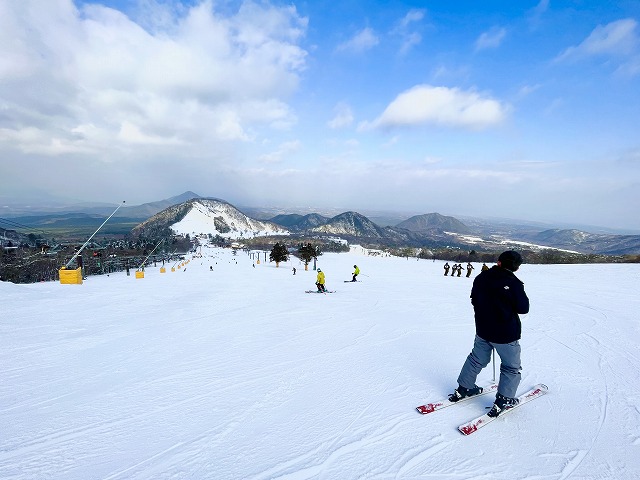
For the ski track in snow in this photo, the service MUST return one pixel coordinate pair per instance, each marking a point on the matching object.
(199, 374)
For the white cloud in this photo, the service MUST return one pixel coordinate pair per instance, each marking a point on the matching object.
(343, 117)
(527, 90)
(631, 67)
(192, 76)
(391, 142)
(617, 38)
(362, 41)
(536, 14)
(491, 38)
(281, 152)
(131, 133)
(410, 38)
(451, 107)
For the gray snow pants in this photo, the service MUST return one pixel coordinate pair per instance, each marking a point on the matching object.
(480, 357)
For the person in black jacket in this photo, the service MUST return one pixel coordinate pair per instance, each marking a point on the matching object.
(498, 297)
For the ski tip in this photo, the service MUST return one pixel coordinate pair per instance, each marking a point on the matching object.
(467, 429)
(428, 408)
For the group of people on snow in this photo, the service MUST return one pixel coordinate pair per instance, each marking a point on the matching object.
(457, 268)
(320, 279)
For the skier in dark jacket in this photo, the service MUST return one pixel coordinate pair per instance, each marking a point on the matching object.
(498, 297)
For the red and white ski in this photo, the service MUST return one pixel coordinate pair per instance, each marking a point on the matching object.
(474, 425)
(432, 407)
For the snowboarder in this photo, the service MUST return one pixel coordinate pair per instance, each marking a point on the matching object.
(356, 272)
(497, 297)
(446, 269)
(320, 281)
(469, 269)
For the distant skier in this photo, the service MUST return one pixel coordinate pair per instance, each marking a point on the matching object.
(459, 269)
(497, 297)
(469, 269)
(320, 281)
(294, 270)
(446, 269)
(356, 272)
(454, 270)
(484, 267)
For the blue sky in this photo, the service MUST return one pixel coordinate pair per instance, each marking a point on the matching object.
(526, 110)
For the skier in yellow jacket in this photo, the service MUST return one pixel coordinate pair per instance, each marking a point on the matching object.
(356, 272)
(320, 281)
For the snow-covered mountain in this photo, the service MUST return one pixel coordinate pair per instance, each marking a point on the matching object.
(351, 224)
(203, 216)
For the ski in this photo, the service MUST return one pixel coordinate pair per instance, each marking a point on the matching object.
(474, 425)
(316, 291)
(432, 407)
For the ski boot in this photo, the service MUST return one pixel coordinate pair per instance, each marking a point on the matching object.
(462, 392)
(501, 404)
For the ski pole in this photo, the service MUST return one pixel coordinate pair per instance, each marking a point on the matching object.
(493, 354)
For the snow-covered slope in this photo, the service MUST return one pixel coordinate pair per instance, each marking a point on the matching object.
(220, 218)
(225, 369)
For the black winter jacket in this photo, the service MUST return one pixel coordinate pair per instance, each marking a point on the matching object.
(498, 297)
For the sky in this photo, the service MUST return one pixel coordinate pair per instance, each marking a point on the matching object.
(526, 110)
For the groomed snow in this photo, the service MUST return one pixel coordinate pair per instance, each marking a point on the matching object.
(236, 373)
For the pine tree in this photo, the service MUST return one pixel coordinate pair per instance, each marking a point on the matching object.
(307, 252)
(279, 253)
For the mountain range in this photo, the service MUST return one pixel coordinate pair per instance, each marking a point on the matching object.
(218, 217)
(191, 213)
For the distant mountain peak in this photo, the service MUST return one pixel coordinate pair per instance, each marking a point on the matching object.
(298, 222)
(184, 197)
(208, 216)
(351, 224)
(433, 221)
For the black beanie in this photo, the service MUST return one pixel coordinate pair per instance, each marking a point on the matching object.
(511, 260)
